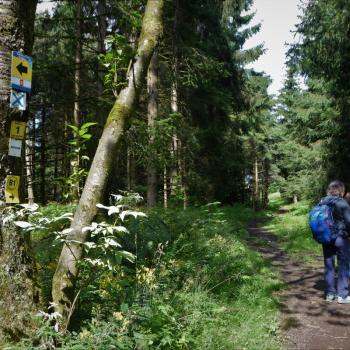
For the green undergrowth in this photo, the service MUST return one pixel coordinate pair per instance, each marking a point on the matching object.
(194, 285)
(291, 225)
(46, 248)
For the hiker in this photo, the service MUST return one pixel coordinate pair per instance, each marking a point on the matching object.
(339, 246)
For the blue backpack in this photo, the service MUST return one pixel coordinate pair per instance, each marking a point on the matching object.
(322, 224)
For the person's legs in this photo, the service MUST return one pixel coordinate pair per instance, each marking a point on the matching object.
(342, 245)
(329, 252)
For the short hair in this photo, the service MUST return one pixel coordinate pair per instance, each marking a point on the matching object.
(336, 188)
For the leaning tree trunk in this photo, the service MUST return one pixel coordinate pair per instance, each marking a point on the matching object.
(67, 268)
(19, 292)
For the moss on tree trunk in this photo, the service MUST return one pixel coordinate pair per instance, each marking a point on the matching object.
(93, 192)
(19, 291)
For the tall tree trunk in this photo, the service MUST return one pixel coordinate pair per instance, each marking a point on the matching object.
(43, 157)
(67, 268)
(77, 83)
(29, 149)
(256, 184)
(165, 188)
(266, 183)
(19, 292)
(183, 174)
(152, 87)
(102, 32)
(55, 193)
(130, 169)
(174, 170)
(174, 147)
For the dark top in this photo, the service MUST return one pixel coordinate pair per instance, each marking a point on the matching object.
(341, 214)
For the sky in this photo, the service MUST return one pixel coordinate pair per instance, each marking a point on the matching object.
(278, 18)
(46, 5)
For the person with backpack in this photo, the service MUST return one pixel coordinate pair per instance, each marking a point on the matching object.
(330, 224)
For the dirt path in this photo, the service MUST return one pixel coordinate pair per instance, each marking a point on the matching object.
(308, 322)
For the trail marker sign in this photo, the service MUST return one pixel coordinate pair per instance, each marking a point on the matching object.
(11, 189)
(18, 100)
(18, 130)
(15, 148)
(21, 72)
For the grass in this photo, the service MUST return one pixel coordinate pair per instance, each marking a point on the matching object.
(196, 285)
(293, 230)
(46, 248)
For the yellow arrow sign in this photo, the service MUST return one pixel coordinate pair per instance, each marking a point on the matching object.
(21, 72)
(11, 190)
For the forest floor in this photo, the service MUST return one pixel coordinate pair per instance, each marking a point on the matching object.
(307, 320)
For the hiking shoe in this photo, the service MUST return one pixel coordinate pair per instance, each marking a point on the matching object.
(330, 297)
(344, 300)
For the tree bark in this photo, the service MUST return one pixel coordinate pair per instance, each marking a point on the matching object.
(130, 169)
(67, 268)
(19, 292)
(43, 157)
(75, 162)
(174, 147)
(152, 86)
(165, 188)
(266, 183)
(29, 149)
(256, 184)
(102, 32)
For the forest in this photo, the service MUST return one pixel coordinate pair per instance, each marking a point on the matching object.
(136, 147)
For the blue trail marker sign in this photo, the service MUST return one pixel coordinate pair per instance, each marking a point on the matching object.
(18, 100)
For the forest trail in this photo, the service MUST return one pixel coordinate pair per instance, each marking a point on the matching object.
(308, 322)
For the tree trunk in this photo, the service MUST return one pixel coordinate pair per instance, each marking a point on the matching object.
(266, 183)
(75, 162)
(174, 149)
(102, 32)
(152, 85)
(43, 157)
(130, 169)
(29, 149)
(19, 292)
(67, 268)
(55, 192)
(174, 169)
(165, 189)
(256, 184)
(183, 173)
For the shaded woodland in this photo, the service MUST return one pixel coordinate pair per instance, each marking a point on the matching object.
(149, 107)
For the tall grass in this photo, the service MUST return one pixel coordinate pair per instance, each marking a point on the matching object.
(195, 285)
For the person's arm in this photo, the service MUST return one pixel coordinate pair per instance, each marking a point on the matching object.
(346, 215)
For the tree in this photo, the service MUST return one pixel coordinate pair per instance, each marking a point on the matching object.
(304, 126)
(19, 292)
(67, 268)
(322, 55)
(152, 113)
